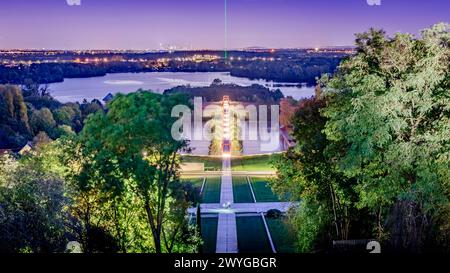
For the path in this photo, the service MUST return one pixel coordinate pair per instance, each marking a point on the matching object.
(226, 231)
(245, 207)
(235, 173)
(226, 228)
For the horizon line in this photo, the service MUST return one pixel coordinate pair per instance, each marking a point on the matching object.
(179, 50)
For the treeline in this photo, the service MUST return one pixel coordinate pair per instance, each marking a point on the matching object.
(255, 94)
(372, 157)
(305, 70)
(31, 112)
(292, 68)
(48, 73)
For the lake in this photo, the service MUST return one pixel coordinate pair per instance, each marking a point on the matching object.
(72, 90)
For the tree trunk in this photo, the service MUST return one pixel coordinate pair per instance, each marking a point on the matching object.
(154, 229)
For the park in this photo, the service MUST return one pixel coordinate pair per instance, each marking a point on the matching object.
(235, 205)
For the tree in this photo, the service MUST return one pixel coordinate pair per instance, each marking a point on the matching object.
(14, 125)
(64, 115)
(42, 120)
(388, 122)
(372, 155)
(288, 107)
(307, 174)
(32, 208)
(130, 150)
(33, 89)
(92, 107)
(41, 139)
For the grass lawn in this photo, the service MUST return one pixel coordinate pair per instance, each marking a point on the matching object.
(252, 163)
(251, 235)
(241, 190)
(211, 163)
(282, 237)
(209, 234)
(211, 192)
(262, 190)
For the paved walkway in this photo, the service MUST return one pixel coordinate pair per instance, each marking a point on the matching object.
(236, 173)
(227, 234)
(226, 189)
(245, 207)
(226, 230)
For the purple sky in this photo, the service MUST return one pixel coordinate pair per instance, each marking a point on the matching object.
(145, 24)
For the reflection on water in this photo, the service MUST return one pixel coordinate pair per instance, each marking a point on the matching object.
(118, 82)
(98, 87)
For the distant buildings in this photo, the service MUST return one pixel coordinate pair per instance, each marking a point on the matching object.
(108, 98)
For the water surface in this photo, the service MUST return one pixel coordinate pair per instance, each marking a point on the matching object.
(77, 89)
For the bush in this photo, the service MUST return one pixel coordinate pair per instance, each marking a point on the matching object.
(274, 213)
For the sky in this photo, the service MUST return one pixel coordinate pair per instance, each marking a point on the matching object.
(200, 24)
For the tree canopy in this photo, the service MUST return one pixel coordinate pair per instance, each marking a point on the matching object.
(385, 135)
(128, 153)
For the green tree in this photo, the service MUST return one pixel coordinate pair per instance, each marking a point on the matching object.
(130, 150)
(64, 115)
(307, 174)
(42, 120)
(388, 121)
(14, 124)
(32, 208)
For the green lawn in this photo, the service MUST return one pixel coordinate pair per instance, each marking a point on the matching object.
(211, 163)
(211, 192)
(252, 163)
(282, 237)
(209, 234)
(241, 190)
(251, 235)
(262, 190)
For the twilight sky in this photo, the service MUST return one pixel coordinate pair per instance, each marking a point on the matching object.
(145, 24)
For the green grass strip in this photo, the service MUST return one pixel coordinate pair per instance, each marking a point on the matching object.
(282, 236)
(262, 190)
(251, 235)
(241, 190)
(211, 192)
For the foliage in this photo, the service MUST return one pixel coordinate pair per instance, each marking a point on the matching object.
(128, 156)
(274, 213)
(23, 117)
(256, 93)
(14, 124)
(389, 109)
(33, 216)
(42, 120)
(372, 155)
(306, 173)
